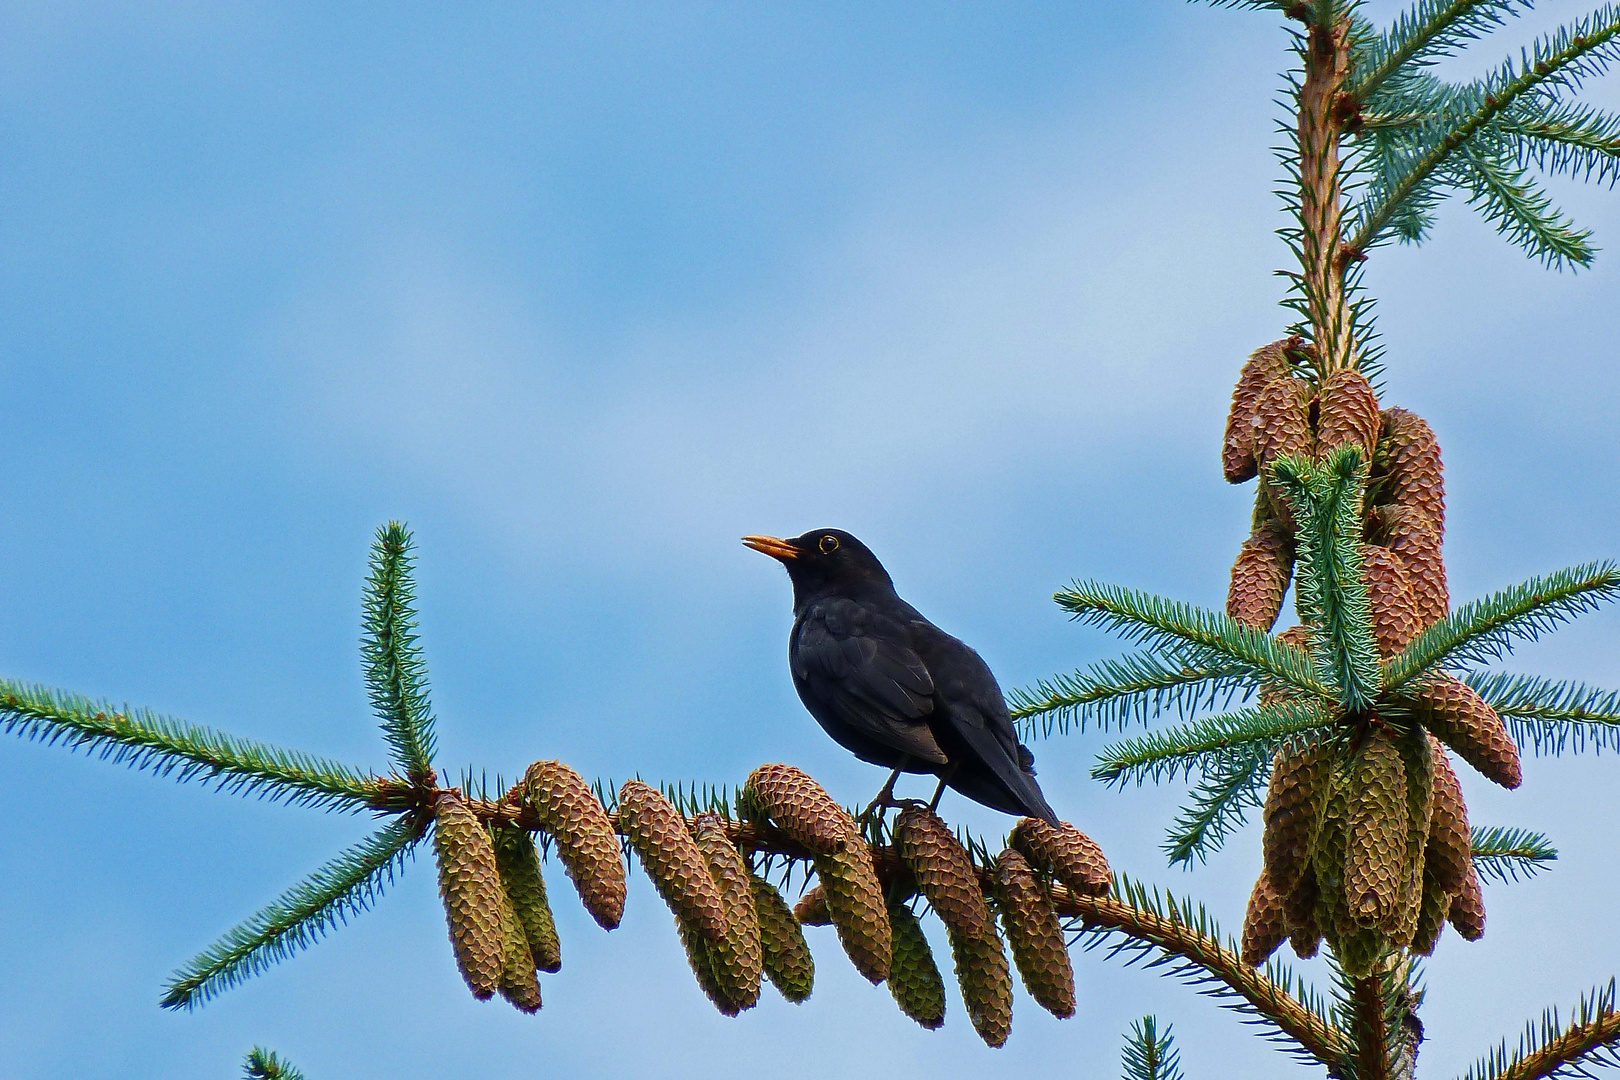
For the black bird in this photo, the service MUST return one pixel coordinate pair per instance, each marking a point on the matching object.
(891, 687)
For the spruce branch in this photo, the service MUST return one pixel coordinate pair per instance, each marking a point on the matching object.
(1507, 854)
(262, 1064)
(1432, 29)
(1202, 637)
(1510, 200)
(300, 917)
(1546, 716)
(1565, 138)
(396, 675)
(1485, 629)
(1163, 755)
(165, 746)
(1551, 1048)
(1227, 790)
(1112, 693)
(1151, 1054)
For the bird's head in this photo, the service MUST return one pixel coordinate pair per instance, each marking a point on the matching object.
(824, 559)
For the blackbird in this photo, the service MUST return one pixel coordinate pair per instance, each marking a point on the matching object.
(891, 687)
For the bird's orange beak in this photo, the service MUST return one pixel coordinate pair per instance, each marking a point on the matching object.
(773, 546)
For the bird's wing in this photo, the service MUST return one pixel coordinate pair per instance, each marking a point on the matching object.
(855, 659)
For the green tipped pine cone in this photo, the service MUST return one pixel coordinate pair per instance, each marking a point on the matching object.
(475, 905)
(1418, 759)
(1293, 810)
(700, 955)
(1032, 928)
(943, 869)
(738, 958)
(1432, 910)
(985, 978)
(1461, 719)
(1300, 913)
(1268, 363)
(519, 864)
(1328, 856)
(1260, 576)
(519, 984)
(914, 978)
(586, 842)
(680, 872)
(1375, 848)
(1264, 925)
(1450, 852)
(1360, 952)
(1467, 912)
(1395, 620)
(1347, 412)
(1413, 474)
(787, 960)
(857, 908)
(1064, 852)
(1407, 532)
(811, 910)
(801, 808)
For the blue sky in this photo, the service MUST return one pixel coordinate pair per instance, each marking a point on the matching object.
(584, 294)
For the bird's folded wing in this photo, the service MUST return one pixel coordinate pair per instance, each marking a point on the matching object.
(854, 657)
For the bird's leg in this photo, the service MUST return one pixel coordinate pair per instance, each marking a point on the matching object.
(885, 797)
(933, 804)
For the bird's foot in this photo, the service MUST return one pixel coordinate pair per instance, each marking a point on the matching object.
(884, 800)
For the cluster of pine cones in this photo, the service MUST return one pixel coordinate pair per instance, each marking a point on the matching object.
(1367, 841)
(735, 926)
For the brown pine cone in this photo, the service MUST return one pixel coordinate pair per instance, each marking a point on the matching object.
(679, 871)
(1300, 913)
(586, 842)
(1264, 924)
(1260, 576)
(1467, 914)
(1449, 855)
(1032, 928)
(1461, 719)
(986, 982)
(1064, 852)
(700, 957)
(1414, 475)
(738, 958)
(857, 907)
(1266, 364)
(1293, 811)
(1375, 849)
(914, 978)
(1407, 532)
(1347, 412)
(787, 959)
(475, 905)
(519, 866)
(519, 984)
(801, 808)
(1418, 759)
(1282, 421)
(1432, 910)
(1395, 618)
(943, 870)
(811, 910)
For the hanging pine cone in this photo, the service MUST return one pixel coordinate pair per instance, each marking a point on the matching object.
(943, 870)
(586, 842)
(787, 960)
(700, 957)
(1293, 810)
(811, 910)
(1064, 852)
(519, 984)
(1360, 952)
(1268, 363)
(800, 807)
(1375, 848)
(1449, 854)
(1260, 576)
(1328, 855)
(1300, 914)
(737, 959)
(855, 903)
(1282, 421)
(1418, 760)
(679, 871)
(986, 982)
(519, 865)
(474, 902)
(1407, 532)
(914, 978)
(1461, 719)
(1347, 412)
(1467, 914)
(1264, 924)
(1395, 620)
(1032, 929)
(1414, 475)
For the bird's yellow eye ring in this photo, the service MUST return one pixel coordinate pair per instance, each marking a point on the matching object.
(829, 544)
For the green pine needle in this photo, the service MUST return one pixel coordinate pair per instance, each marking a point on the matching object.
(1151, 1054)
(1545, 716)
(1567, 139)
(1113, 693)
(1513, 202)
(1219, 805)
(162, 745)
(1485, 629)
(1507, 854)
(1163, 755)
(396, 674)
(262, 1064)
(1432, 29)
(298, 918)
(1552, 1048)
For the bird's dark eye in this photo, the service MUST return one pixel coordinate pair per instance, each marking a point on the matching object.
(829, 544)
